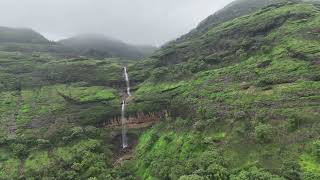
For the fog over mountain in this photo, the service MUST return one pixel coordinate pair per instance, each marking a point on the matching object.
(136, 22)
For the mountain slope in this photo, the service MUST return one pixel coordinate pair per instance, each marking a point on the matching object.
(28, 41)
(15, 35)
(235, 9)
(243, 100)
(231, 11)
(92, 45)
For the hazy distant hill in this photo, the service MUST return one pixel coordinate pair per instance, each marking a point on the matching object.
(20, 35)
(89, 45)
(100, 46)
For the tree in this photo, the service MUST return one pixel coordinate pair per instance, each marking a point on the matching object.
(255, 173)
(263, 133)
(177, 171)
(217, 172)
(291, 170)
(20, 150)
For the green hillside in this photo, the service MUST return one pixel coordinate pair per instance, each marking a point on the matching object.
(233, 10)
(241, 96)
(20, 35)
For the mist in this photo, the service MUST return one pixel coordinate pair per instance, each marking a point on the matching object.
(151, 22)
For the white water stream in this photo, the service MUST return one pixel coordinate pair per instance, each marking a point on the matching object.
(123, 109)
(124, 126)
(127, 81)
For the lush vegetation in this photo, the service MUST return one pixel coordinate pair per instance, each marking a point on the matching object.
(248, 89)
(49, 108)
(241, 94)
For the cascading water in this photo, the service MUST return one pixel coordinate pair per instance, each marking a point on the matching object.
(123, 108)
(127, 81)
(124, 127)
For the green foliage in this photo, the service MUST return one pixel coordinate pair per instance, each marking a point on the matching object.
(316, 149)
(309, 161)
(191, 177)
(255, 173)
(263, 133)
(80, 160)
(215, 171)
(9, 169)
(19, 150)
(37, 164)
(159, 158)
(291, 170)
(87, 94)
(126, 171)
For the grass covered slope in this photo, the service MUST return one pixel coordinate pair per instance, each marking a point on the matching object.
(231, 11)
(49, 108)
(243, 98)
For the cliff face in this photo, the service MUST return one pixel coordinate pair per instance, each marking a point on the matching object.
(134, 121)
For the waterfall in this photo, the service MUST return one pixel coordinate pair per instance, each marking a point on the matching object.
(124, 127)
(127, 80)
(123, 108)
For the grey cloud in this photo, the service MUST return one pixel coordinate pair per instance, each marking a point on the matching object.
(134, 21)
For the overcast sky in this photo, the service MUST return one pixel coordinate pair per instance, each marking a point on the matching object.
(134, 21)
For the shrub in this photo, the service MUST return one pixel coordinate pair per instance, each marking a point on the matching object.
(191, 177)
(161, 168)
(310, 176)
(202, 112)
(240, 115)
(177, 171)
(74, 133)
(316, 149)
(20, 150)
(290, 170)
(200, 125)
(217, 172)
(264, 64)
(91, 131)
(255, 173)
(209, 157)
(182, 122)
(42, 143)
(293, 124)
(263, 133)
